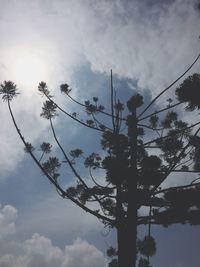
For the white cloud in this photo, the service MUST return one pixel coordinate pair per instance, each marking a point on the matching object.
(151, 44)
(153, 47)
(7, 260)
(39, 251)
(84, 254)
(8, 215)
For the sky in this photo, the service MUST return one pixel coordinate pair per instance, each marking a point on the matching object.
(147, 44)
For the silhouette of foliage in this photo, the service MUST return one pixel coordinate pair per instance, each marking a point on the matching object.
(48, 110)
(127, 175)
(9, 90)
(46, 147)
(147, 246)
(51, 166)
(143, 263)
(29, 148)
(191, 95)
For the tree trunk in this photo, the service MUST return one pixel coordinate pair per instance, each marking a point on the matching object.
(127, 250)
(127, 226)
(128, 234)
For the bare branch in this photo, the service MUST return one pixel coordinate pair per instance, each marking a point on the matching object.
(166, 89)
(161, 110)
(112, 103)
(175, 188)
(166, 136)
(72, 117)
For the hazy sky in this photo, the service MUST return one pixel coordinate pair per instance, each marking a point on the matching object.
(147, 44)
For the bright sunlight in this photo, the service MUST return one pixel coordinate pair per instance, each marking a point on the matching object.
(27, 67)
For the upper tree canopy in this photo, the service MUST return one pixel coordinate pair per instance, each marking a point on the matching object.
(127, 166)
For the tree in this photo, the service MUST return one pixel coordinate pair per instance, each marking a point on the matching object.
(133, 174)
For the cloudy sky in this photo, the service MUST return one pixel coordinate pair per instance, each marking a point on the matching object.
(147, 44)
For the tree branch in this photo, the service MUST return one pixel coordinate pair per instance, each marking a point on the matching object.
(72, 167)
(111, 97)
(57, 186)
(166, 136)
(72, 117)
(166, 89)
(159, 111)
(85, 106)
(165, 218)
(175, 188)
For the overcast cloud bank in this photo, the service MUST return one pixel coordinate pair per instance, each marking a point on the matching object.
(39, 250)
(150, 45)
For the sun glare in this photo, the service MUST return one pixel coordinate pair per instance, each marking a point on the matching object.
(28, 68)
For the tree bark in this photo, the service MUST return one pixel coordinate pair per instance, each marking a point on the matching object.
(127, 227)
(127, 249)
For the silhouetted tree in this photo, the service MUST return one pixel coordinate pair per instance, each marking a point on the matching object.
(131, 175)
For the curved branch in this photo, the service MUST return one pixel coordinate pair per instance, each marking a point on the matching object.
(57, 186)
(150, 128)
(92, 177)
(186, 161)
(85, 106)
(189, 171)
(41, 156)
(98, 123)
(112, 101)
(74, 170)
(166, 89)
(161, 110)
(195, 180)
(166, 136)
(182, 153)
(163, 218)
(177, 160)
(175, 188)
(72, 117)
(174, 163)
(71, 165)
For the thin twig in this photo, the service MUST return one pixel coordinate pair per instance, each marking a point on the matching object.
(166, 89)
